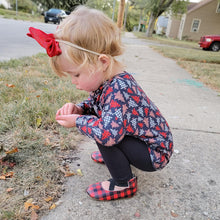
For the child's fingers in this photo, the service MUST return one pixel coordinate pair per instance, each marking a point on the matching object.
(65, 117)
(61, 117)
(67, 120)
(67, 109)
(58, 112)
(61, 122)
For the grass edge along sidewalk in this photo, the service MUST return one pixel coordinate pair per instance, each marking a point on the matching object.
(35, 152)
(202, 65)
(11, 14)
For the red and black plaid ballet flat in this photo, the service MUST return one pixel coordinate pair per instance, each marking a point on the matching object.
(97, 192)
(97, 157)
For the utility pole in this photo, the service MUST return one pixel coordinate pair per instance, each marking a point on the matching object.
(121, 13)
(16, 8)
(113, 14)
(126, 14)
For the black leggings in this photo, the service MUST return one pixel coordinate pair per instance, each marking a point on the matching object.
(118, 158)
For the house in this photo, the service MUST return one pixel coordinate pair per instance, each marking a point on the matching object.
(5, 4)
(202, 18)
(161, 25)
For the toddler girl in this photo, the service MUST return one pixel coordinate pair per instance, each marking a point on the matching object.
(126, 125)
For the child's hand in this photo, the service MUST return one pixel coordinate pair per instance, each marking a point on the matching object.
(67, 121)
(68, 109)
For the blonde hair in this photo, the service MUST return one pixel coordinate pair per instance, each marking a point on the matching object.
(90, 29)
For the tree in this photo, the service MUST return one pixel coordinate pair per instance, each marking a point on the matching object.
(157, 7)
(105, 6)
(132, 18)
(121, 13)
(154, 8)
(68, 5)
(24, 5)
(139, 5)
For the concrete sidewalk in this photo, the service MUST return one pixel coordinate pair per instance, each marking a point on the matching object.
(189, 187)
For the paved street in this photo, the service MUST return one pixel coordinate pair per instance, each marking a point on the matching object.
(13, 40)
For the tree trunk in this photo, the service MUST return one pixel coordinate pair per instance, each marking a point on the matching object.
(140, 19)
(121, 13)
(151, 25)
(126, 14)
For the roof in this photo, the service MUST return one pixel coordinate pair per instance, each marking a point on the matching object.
(191, 5)
(199, 5)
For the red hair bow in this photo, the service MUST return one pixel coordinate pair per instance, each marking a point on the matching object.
(47, 41)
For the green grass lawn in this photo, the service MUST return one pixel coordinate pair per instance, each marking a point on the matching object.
(21, 15)
(167, 41)
(30, 95)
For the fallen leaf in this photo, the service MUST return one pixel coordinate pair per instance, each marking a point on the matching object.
(38, 178)
(9, 190)
(34, 215)
(38, 121)
(6, 175)
(35, 206)
(12, 151)
(68, 173)
(10, 85)
(29, 203)
(79, 172)
(49, 198)
(137, 214)
(47, 142)
(9, 174)
(53, 206)
(173, 214)
(58, 202)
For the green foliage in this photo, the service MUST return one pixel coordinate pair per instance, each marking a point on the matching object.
(2, 6)
(132, 19)
(20, 15)
(24, 5)
(67, 5)
(179, 6)
(106, 6)
(139, 4)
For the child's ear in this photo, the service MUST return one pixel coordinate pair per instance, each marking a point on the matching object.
(105, 61)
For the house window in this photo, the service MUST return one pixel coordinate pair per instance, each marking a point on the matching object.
(218, 8)
(195, 25)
